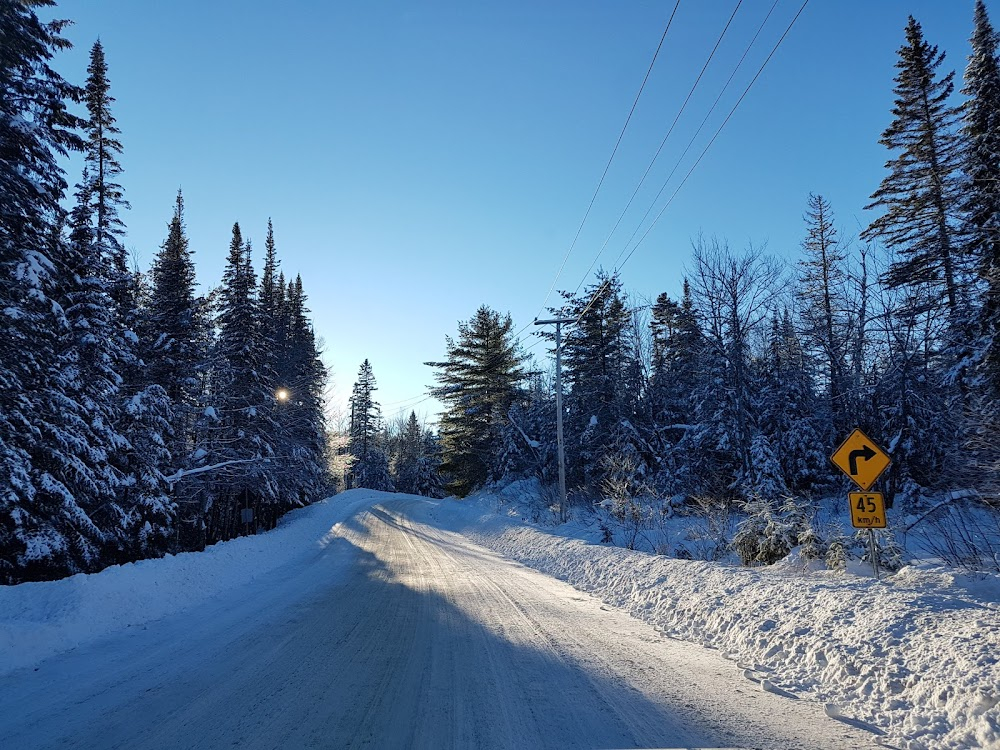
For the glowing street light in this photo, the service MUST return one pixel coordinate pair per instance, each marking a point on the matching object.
(281, 394)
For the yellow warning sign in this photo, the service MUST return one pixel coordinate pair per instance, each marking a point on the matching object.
(867, 510)
(861, 459)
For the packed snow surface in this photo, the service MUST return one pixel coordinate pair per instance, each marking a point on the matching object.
(914, 656)
(365, 621)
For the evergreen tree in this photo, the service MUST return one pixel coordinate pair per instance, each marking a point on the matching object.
(272, 297)
(372, 471)
(677, 367)
(663, 325)
(31, 180)
(407, 463)
(596, 357)
(370, 468)
(102, 152)
(144, 415)
(279, 305)
(528, 437)
(478, 382)
(366, 415)
(921, 194)
(147, 513)
(175, 333)
(429, 467)
(243, 396)
(301, 414)
(765, 536)
(44, 532)
(90, 356)
(981, 130)
(914, 419)
(791, 417)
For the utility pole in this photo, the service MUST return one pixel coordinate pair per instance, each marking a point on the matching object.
(559, 410)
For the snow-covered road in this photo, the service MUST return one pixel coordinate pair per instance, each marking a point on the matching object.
(395, 633)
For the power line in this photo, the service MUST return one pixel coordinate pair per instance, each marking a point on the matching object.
(701, 126)
(401, 409)
(717, 132)
(700, 156)
(610, 160)
(517, 336)
(404, 400)
(670, 130)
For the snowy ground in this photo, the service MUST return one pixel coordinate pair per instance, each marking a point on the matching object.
(362, 621)
(915, 656)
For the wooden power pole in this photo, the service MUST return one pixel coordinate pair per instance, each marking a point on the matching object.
(558, 322)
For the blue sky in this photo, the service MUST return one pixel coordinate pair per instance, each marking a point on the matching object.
(421, 159)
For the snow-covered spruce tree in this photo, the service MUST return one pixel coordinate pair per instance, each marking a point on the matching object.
(275, 319)
(243, 399)
(922, 194)
(370, 468)
(788, 453)
(175, 339)
(789, 413)
(144, 414)
(478, 382)
(91, 353)
(923, 225)
(596, 360)
(102, 153)
(626, 492)
(366, 414)
(677, 367)
(407, 456)
(914, 417)
(981, 131)
(301, 414)
(528, 442)
(766, 535)
(276, 322)
(372, 472)
(175, 331)
(149, 513)
(44, 531)
(429, 482)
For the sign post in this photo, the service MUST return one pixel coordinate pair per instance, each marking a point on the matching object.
(861, 459)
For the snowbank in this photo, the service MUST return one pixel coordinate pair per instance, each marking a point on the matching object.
(38, 620)
(915, 656)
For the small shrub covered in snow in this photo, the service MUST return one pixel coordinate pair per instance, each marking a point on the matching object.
(765, 536)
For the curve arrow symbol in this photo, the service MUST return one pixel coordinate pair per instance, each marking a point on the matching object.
(866, 453)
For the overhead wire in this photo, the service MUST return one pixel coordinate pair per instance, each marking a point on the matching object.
(404, 400)
(701, 156)
(677, 117)
(670, 131)
(607, 166)
(697, 132)
(517, 336)
(402, 409)
(597, 190)
(717, 132)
